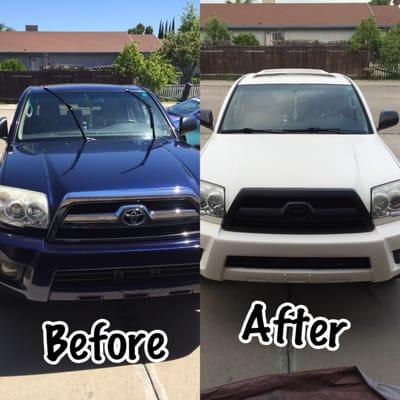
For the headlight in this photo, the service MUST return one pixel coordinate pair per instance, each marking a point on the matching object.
(386, 200)
(20, 207)
(212, 200)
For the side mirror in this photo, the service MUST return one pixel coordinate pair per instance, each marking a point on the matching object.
(187, 124)
(207, 118)
(387, 119)
(3, 128)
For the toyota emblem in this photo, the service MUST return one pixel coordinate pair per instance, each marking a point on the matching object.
(297, 211)
(134, 216)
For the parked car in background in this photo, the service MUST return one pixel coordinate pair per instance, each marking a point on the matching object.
(98, 196)
(190, 107)
(297, 185)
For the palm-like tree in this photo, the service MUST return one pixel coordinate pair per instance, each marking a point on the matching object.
(4, 27)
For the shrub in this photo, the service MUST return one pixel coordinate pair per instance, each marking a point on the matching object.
(216, 32)
(367, 35)
(12, 64)
(390, 49)
(245, 39)
(153, 72)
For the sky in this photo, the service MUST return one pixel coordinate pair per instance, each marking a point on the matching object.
(89, 15)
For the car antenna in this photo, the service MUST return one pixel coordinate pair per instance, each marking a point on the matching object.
(69, 107)
(149, 109)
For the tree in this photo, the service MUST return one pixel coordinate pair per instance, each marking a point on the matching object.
(189, 19)
(216, 32)
(130, 62)
(367, 35)
(161, 30)
(12, 64)
(390, 49)
(148, 30)
(166, 29)
(173, 26)
(137, 30)
(158, 72)
(154, 72)
(5, 28)
(183, 47)
(245, 39)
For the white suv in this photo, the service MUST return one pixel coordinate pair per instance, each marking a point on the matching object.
(297, 185)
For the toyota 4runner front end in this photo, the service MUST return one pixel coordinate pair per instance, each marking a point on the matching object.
(98, 196)
(297, 185)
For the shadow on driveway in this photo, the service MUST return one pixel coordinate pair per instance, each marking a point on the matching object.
(21, 346)
(372, 343)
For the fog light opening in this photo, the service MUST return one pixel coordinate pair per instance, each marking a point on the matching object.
(11, 271)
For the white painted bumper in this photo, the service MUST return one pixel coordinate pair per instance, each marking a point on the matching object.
(378, 245)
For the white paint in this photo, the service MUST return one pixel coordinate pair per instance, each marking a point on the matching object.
(331, 161)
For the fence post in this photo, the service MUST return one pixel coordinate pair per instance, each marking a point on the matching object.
(186, 91)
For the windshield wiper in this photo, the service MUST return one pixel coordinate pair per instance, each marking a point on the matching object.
(69, 107)
(149, 109)
(321, 130)
(301, 130)
(251, 130)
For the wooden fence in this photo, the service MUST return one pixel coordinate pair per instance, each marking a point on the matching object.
(12, 84)
(233, 60)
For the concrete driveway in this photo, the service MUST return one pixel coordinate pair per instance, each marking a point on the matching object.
(373, 309)
(7, 110)
(24, 374)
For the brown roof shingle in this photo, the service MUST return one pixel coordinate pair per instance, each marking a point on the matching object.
(299, 15)
(74, 42)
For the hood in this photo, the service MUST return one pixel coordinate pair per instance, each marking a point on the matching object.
(59, 167)
(329, 161)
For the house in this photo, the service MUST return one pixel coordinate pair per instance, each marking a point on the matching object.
(321, 22)
(70, 49)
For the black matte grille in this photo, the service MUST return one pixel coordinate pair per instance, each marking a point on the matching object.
(396, 256)
(298, 211)
(126, 278)
(324, 263)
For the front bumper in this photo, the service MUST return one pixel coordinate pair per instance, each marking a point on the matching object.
(377, 245)
(43, 260)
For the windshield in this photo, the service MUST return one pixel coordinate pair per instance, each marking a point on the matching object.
(100, 114)
(277, 108)
(185, 108)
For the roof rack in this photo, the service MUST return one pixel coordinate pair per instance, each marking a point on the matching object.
(293, 71)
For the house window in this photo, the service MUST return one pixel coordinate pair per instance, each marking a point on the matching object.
(278, 36)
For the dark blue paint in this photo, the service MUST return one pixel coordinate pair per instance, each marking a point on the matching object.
(54, 167)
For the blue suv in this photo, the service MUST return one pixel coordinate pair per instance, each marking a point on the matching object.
(99, 196)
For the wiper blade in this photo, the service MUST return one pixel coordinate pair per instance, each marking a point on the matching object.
(69, 107)
(319, 130)
(251, 130)
(149, 109)
(301, 130)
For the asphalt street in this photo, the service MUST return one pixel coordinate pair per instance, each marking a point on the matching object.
(373, 309)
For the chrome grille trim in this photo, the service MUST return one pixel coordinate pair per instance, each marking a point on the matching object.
(163, 194)
(155, 215)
